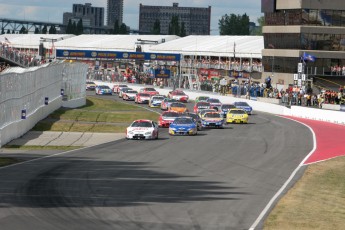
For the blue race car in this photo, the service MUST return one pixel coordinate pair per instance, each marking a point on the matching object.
(103, 89)
(183, 126)
(244, 106)
(225, 108)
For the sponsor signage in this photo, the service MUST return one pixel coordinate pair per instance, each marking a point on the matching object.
(60, 53)
(162, 73)
(239, 74)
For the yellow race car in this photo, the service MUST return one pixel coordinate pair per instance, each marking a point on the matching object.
(237, 116)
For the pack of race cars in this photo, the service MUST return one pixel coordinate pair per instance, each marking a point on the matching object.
(207, 112)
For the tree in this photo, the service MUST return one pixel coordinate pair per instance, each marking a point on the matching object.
(174, 27)
(37, 31)
(74, 28)
(23, 30)
(116, 27)
(13, 32)
(3, 30)
(44, 29)
(52, 30)
(80, 29)
(183, 30)
(8, 31)
(234, 24)
(123, 29)
(156, 27)
(69, 27)
(261, 22)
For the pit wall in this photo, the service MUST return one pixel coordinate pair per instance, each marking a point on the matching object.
(337, 117)
(31, 94)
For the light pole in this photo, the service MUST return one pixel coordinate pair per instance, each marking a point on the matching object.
(52, 40)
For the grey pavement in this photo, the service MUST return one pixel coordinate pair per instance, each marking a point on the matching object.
(49, 138)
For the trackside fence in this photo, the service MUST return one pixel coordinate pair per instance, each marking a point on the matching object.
(29, 95)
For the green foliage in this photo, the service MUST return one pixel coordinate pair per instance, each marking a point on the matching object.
(80, 28)
(45, 29)
(8, 31)
(74, 28)
(156, 27)
(2, 30)
(37, 31)
(116, 27)
(234, 24)
(183, 30)
(69, 27)
(23, 30)
(261, 22)
(52, 30)
(123, 29)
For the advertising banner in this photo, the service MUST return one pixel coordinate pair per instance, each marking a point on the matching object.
(162, 73)
(91, 54)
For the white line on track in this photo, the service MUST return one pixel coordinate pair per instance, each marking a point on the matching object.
(293, 174)
(58, 154)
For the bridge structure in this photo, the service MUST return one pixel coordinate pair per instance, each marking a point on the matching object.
(14, 26)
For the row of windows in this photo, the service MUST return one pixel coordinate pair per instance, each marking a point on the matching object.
(169, 15)
(322, 66)
(328, 42)
(306, 17)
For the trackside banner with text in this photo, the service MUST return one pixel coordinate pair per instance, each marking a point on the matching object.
(91, 54)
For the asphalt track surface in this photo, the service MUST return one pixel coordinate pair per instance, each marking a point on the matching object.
(219, 179)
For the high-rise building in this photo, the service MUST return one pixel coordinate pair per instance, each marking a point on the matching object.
(91, 16)
(197, 20)
(114, 12)
(296, 28)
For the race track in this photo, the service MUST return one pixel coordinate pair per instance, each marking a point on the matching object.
(219, 179)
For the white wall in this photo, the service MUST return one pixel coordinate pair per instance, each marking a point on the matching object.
(337, 117)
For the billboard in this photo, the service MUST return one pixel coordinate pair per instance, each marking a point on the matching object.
(268, 6)
(91, 54)
(162, 73)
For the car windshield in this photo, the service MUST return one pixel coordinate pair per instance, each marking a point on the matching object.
(202, 104)
(212, 115)
(157, 98)
(179, 93)
(149, 89)
(170, 114)
(241, 104)
(170, 100)
(132, 91)
(145, 124)
(193, 115)
(207, 110)
(123, 86)
(237, 111)
(90, 82)
(203, 98)
(144, 95)
(228, 106)
(104, 87)
(178, 105)
(183, 121)
(126, 89)
(213, 100)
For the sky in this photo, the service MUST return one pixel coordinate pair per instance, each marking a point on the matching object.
(52, 10)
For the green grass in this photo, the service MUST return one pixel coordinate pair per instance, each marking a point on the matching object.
(98, 115)
(317, 201)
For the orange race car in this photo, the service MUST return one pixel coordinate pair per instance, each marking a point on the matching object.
(178, 107)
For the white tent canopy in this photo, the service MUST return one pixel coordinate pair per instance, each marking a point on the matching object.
(31, 41)
(219, 46)
(113, 42)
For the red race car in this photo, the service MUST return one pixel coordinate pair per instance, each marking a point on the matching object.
(201, 105)
(142, 98)
(117, 87)
(178, 95)
(166, 118)
(150, 91)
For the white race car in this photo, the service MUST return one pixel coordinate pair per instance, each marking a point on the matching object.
(142, 129)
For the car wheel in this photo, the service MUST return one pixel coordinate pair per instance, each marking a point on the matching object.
(157, 136)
